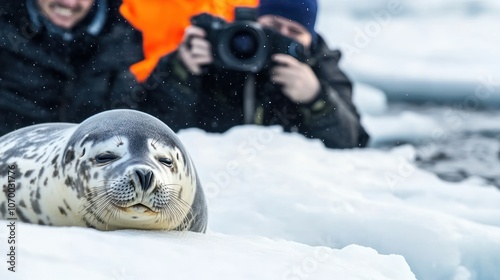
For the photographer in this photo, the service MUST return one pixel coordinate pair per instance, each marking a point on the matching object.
(311, 97)
(63, 61)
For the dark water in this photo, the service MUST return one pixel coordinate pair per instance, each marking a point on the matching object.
(468, 147)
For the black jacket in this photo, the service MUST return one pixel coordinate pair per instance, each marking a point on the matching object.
(214, 101)
(45, 78)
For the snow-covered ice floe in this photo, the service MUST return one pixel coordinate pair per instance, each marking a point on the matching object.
(284, 207)
(79, 253)
(282, 186)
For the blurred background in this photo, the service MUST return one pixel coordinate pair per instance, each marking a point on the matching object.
(426, 74)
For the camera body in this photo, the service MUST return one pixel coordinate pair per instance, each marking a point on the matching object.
(244, 45)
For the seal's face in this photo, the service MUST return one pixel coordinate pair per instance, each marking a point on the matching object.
(131, 179)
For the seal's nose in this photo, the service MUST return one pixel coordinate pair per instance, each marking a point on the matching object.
(145, 178)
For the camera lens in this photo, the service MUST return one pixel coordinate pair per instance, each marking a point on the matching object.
(243, 45)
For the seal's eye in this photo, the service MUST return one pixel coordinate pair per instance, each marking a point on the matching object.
(105, 158)
(166, 161)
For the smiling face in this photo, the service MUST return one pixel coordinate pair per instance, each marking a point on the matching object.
(287, 28)
(65, 13)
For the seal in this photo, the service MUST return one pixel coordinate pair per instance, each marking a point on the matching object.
(120, 169)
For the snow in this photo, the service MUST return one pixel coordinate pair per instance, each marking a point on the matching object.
(385, 128)
(79, 253)
(284, 207)
(442, 50)
(277, 185)
(369, 100)
(405, 127)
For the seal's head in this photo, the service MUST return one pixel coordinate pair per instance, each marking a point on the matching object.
(133, 172)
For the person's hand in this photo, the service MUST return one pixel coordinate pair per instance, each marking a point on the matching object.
(299, 82)
(195, 51)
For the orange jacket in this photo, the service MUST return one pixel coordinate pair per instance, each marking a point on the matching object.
(162, 23)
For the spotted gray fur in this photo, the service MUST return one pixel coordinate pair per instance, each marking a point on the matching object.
(59, 180)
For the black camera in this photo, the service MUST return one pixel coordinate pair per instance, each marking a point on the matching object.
(244, 45)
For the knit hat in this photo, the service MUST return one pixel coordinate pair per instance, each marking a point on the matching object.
(301, 11)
